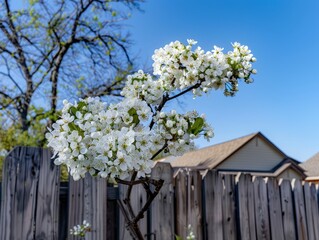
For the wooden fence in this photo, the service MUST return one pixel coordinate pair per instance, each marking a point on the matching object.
(34, 205)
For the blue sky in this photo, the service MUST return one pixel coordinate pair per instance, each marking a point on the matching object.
(283, 101)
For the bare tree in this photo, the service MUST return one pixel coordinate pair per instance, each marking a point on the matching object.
(53, 48)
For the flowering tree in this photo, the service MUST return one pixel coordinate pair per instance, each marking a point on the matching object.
(120, 141)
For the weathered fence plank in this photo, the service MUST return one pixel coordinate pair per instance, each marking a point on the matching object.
(275, 212)
(287, 207)
(214, 206)
(181, 194)
(29, 208)
(162, 208)
(315, 210)
(229, 208)
(300, 212)
(88, 201)
(246, 207)
(308, 208)
(261, 209)
(195, 204)
(217, 207)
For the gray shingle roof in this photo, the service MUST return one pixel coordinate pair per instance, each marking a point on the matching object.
(312, 166)
(209, 157)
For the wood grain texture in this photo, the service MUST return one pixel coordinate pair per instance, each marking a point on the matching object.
(287, 206)
(88, 201)
(261, 209)
(300, 213)
(30, 193)
(162, 208)
(309, 212)
(181, 197)
(214, 205)
(275, 212)
(315, 209)
(229, 208)
(246, 207)
(195, 203)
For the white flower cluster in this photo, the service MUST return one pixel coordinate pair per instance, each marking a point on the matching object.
(141, 85)
(181, 129)
(112, 141)
(190, 234)
(3, 153)
(81, 230)
(179, 67)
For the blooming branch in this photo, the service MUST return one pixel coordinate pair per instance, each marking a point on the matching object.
(115, 140)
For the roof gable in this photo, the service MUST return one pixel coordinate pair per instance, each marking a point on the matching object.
(212, 156)
(258, 154)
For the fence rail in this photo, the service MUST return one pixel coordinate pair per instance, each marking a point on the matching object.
(35, 205)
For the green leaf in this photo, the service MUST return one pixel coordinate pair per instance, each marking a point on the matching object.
(197, 126)
(73, 110)
(178, 237)
(132, 112)
(81, 105)
(72, 126)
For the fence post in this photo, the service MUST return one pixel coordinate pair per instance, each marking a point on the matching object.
(30, 195)
(88, 201)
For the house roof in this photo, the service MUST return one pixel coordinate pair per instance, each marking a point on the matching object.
(210, 157)
(281, 167)
(312, 166)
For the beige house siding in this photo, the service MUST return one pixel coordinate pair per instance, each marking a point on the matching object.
(256, 155)
(290, 174)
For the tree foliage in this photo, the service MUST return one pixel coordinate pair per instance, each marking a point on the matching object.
(50, 50)
(57, 49)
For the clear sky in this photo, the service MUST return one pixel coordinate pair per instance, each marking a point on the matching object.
(283, 101)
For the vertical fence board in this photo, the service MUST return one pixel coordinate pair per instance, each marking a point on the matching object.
(63, 211)
(88, 201)
(309, 210)
(246, 207)
(195, 205)
(229, 208)
(314, 209)
(29, 209)
(275, 212)
(47, 198)
(287, 207)
(214, 197)
(242, 208)
(112, 220)
(300, 212)
(181, 194)
(261, 209)
(162, 208)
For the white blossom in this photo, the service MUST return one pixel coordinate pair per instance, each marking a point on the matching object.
(114, 140)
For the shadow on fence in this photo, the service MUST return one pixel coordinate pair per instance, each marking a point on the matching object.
(35, 205)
